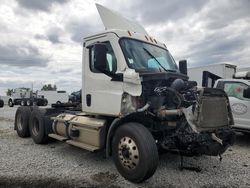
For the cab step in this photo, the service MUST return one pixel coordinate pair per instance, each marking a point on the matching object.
(82, 145)
(58, 137)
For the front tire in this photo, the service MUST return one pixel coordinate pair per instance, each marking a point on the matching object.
(134, 152)
(10, 103)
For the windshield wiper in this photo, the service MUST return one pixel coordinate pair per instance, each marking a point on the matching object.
(152, 56)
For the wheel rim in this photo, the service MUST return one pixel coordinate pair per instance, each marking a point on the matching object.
(22, 103)
(35, 127)
(128, 153)
(28, 103)
(19, 122)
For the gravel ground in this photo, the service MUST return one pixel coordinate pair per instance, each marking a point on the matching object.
(24, 164)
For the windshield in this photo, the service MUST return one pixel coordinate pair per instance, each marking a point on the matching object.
(143, 56)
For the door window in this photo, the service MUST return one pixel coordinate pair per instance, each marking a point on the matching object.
(235, 89)
(110, 58)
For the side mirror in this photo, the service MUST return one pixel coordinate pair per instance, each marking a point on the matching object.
(100, 57)
(183, 66)
(246, 93)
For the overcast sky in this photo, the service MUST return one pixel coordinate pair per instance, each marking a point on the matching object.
(41, 40)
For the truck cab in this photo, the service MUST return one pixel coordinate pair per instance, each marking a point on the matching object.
(115, 63)
(239, 102)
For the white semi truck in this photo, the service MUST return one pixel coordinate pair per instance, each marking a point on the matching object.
(25, 97)
(135, 102)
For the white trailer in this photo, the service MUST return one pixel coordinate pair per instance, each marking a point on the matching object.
(54, 97)
(221, 70)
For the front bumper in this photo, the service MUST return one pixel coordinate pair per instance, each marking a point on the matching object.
(203, 143)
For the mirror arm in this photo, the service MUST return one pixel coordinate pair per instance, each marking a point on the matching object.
(114, 76)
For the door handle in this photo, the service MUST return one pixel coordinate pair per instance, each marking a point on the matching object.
(88, 99)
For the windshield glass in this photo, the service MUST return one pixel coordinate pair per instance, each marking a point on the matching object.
(143, 56)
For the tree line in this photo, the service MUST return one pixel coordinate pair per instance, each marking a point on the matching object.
(46, 87)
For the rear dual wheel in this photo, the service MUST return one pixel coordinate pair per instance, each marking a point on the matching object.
(23, 103)
(22, 121)
(37, 126)
(29, 103)
(134, 152)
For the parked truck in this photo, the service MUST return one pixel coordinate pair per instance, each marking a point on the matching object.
(237, 89)
(76, 97)
(135, 102)
(1, 103)
(26, 97)
(234, 83)
(54, 96)
(220, 70)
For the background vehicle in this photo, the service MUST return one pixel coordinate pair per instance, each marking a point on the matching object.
(25, 97)
(199, 74)
(135, 101)
(225, 77)
(237, 91)
(76, 97)
(54, 96)
(1, 103)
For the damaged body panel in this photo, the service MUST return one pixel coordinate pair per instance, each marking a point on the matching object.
(181, 117)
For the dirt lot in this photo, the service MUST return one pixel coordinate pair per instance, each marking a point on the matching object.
(24, 164)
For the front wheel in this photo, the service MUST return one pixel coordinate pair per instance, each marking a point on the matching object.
(23, 103)
(10, 103)
(134, 152)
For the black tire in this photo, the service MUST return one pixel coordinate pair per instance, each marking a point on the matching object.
(45, 103)
(10, 103)
(23, 103)
(141, 140)
(1, 103)
(58, 102)
(29, 102)
(22, 121)
(37, 126)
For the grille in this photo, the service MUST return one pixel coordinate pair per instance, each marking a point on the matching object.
(213, 112)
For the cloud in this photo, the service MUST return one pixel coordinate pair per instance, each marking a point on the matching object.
(21, 56)
(53, 35)
(160, 11)
(79, 29)
(54, 38)
(222, 13)
(41, 5)
(219, 47)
